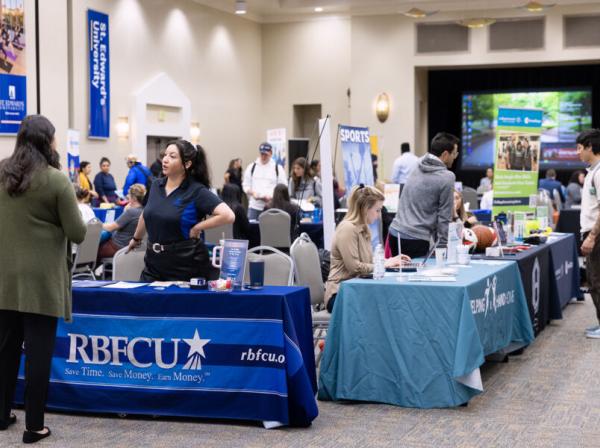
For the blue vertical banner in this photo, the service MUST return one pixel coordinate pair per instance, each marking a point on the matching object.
(356, 151)
(99, 72)
(13, 69)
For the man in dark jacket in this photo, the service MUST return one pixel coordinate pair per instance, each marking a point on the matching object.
(426, 202)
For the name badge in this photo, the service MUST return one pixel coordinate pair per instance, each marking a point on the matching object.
(593, 191)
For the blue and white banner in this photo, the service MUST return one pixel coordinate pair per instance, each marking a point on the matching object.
(13, 67)
(73, 153)
(99, 72)
(356, 151)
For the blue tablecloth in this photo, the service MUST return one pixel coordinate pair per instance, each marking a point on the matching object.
(565, 283)
(243, 355)
(102, 213)
(482, 215)
(408, 343)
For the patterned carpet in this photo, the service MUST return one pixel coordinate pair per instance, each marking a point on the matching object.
(548, 397)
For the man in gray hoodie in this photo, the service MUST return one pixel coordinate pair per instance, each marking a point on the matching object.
(426, 202)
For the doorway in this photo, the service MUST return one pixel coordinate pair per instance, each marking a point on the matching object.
(154, 144)
(306, 118)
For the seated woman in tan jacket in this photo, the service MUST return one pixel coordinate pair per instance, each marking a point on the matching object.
(351, 252)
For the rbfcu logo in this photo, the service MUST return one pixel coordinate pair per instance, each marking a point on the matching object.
(12, 92)
(140, 352)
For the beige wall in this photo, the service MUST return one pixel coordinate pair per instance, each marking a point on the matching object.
(214, 57)
(306, 63)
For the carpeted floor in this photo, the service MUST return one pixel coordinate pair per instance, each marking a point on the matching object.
(548, 397)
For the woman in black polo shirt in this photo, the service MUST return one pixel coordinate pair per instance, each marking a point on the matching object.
(180, 206)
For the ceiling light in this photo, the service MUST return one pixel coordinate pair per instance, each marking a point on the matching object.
(417, 13)
(240, 7)
(476, 22)
(534, 6)
(318, 9)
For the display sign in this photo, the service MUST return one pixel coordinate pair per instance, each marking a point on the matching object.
(73, 153)
(356, 152)
(277, 139)
(516, 159)
(13, 69)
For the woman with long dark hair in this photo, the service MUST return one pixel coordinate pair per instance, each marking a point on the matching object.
(281, 200)
(232, 196)
(180, 206)
(302, 185)
(233, 175)
(105, 184)
(574, 189)
(39, 217)
(85, 168)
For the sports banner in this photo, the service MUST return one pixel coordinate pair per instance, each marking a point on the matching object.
(99, 73)
(13, 70)
(356, 153)
(516, 159)
(276, 137)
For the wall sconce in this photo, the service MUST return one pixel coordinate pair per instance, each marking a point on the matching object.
(382, 107)
(123, 127)
(195, 132)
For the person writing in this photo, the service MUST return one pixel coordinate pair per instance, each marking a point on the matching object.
(124, 227)
(180, 206)
(39, 217)
(351, 251)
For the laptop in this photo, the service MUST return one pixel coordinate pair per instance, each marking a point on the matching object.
(412, 267)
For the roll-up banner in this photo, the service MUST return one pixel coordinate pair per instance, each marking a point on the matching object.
(516, 161)
(99, 75)
(13, 70)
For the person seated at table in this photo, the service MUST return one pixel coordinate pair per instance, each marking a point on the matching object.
(83, 202)
(281, 201)
(302, 185)
(574, 189)
(123, 228)
(459, 214)
(232, 196)
(104, 182)
(315, 169)
(351, 251)
(85, 168)
(485, 183)
(180, 206)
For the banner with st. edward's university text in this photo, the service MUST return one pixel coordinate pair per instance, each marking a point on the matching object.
(99, 75)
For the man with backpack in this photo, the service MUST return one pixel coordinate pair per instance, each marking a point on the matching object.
(138, 174)
(260, 179)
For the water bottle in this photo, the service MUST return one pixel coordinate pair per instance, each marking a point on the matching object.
(379, 263)
(317, 214)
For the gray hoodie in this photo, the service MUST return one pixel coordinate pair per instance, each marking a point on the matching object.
(426, 202)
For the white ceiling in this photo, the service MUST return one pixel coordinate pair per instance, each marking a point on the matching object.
(284, 10)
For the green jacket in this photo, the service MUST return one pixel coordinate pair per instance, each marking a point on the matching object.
(34, 229)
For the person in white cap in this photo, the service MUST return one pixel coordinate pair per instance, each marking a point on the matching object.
(260, 179)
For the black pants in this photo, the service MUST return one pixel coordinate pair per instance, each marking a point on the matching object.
(412, 248)
(180, 262)
(39, 333)
(592, 270)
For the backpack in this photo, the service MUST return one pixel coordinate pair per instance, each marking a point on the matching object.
(276, 170)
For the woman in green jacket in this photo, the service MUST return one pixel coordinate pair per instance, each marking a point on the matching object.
(39, 214)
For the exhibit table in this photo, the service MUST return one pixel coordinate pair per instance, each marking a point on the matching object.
(179, 352)
(420, 344)
(568, 222)
(548, 287)
(108, 215)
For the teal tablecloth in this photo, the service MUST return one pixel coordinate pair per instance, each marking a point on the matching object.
(407, 343)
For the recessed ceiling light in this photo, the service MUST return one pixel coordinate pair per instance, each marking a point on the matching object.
(318, 9)
(240, 7)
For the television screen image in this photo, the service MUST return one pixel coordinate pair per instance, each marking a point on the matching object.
(566, 113)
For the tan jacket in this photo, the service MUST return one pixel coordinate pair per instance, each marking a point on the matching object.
(351, 256)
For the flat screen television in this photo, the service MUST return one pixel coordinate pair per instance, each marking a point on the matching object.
(566, 113)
